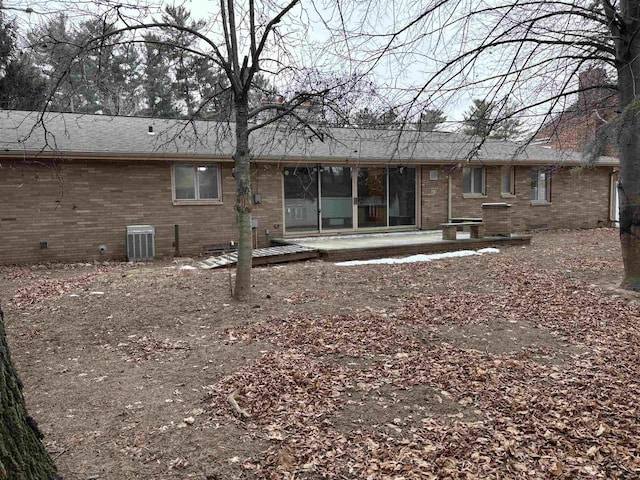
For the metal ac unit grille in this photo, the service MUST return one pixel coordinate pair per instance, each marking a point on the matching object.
(140, 242)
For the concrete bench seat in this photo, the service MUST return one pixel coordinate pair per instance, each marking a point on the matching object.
(450, 229)
(465, 220)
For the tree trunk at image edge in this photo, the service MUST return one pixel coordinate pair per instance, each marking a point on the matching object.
(629, 207)
(629, 148)
(22, 455)
(242, 288)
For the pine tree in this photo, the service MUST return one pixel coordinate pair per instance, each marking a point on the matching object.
(22, 87)
(430, 119)
(487, 120)
(111, 78)
(157, 87)
(104, 79)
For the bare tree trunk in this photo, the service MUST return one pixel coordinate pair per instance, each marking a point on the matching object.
(628, 67)
(629, 204)
(242, 288)
(22, 455)
(629, 207)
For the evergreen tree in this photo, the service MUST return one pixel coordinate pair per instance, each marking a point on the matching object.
(365, 118)
(430, 119)
(177, 83)
(104, 79)
(185, 90)
(389, 118)
(478, 121)
(22, 87)
(157, 87)
(212, 88)
(110, 74)
(487, 120)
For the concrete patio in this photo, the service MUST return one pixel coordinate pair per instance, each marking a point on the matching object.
(376, 245)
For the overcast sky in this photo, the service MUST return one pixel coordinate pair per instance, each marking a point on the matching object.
(414, 55)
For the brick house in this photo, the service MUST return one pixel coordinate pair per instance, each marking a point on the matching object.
(70, 190)
(576, 126)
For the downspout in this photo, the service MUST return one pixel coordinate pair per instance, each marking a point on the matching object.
(449, 196)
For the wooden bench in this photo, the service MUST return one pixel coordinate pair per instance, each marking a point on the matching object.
(450, 229)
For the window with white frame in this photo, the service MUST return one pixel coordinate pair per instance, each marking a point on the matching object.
(473, 181)
(507, 180)
(540, 185)
(196, 182)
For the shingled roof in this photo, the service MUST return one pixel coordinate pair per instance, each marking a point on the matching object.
(101, 136)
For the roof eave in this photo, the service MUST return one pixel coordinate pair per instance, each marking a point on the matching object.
(337, 160)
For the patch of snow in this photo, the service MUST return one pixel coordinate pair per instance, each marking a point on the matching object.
(187, 267)
(418, 258)
(488, 250)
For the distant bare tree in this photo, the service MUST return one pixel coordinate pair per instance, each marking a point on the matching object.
(526, 53)
(244, 42)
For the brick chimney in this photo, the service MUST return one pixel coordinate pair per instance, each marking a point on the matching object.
(590, 97)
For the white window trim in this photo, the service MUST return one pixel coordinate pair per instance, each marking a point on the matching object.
(196, 201)
(484, 182)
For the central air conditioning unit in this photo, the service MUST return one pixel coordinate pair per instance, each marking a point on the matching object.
(140, 242)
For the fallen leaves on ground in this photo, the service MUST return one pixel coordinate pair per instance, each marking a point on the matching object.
(142, 348)
(46, 289)
(574, 416)
(513, 366)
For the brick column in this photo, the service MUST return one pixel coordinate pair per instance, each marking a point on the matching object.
(497, 219)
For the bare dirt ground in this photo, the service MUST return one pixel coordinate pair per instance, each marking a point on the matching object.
(522, 364)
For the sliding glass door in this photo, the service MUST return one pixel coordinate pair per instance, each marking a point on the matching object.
(336, 192)
(372, 197)
(335, 198)
(300, 199)
(402, 196)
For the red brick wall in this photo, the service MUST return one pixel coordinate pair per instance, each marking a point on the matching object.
(579, 199)
(266, 180)
(578, 125)
(573, 131)
(80, 205)
(434, 197)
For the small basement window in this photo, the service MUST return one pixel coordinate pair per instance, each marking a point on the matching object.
(194, 182)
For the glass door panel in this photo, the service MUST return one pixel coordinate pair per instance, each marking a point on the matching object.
(372, 197)
(336, 198)
(402, 196)
(300, 199)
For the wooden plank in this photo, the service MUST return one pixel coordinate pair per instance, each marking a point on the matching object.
(277, 254)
